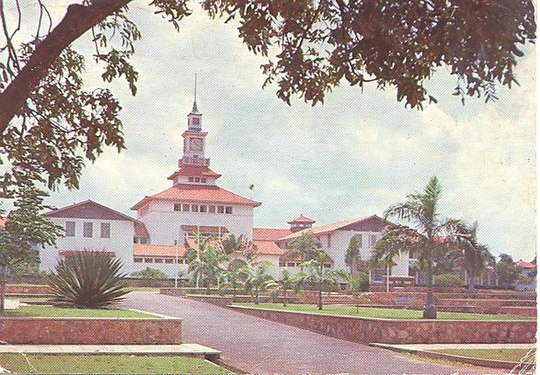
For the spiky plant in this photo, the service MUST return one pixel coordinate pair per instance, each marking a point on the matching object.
(90, 279)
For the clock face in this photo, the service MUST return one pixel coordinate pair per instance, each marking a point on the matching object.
(196, 144)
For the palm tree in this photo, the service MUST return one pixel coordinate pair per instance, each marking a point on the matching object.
(384, 254)
(352, 256)
(320, 275)
(207, 266)
(259, 280)
(240, 245)
(425, 234)
(237, 277)
(305, 246)
(471, 256)
(288, 282)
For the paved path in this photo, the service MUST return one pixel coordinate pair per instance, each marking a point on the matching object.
(264, 347)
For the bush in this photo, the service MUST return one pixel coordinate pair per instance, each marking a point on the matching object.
(88, 279)
(359, 283)
(447, 279)
(150, 273)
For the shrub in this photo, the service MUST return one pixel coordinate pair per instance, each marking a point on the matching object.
(88, 279)
(447, 279)
(150, 273)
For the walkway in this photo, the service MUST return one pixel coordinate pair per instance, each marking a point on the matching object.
(264, 347)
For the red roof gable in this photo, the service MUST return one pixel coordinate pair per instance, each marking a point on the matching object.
(140, 229)
(194, 171)
(89, 210)
(198, 193)
(269, 234)
(372, 223)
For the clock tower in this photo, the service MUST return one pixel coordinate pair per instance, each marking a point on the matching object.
(193, 166)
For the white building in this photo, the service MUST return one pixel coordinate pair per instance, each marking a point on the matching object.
(166, 222)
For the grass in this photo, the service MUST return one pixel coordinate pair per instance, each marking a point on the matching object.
(509, 355)
(366, 312)
(107, 364)
(65, 312)
(31, 299)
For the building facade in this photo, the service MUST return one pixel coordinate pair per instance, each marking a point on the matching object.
(167, 221)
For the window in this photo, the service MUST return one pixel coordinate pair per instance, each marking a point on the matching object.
(212, 209)
(203, 180)
(185, 207)
(228, 210)
(105, 230)
(158, 260)
(148, 260)
(195, 121)
(282, 264)
(190, 179)
(372, 240)
(70, 229)
(137, 260)
(168, 260)
(197, 179)
(220, 209)
(177, 206)
(194, 208)
(203, 209)
(88, 228)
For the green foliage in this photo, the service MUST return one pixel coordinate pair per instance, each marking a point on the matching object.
(88, 279)
(448, 280)
(150, 273)
(48, 121)
(258, 280)
(352, 256)
(507, 273)
(305, 246)
(240, 246)
(359, 283)
(205, 265)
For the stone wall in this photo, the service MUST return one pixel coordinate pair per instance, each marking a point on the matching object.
(389, 331)
(22, 289)
(115, 331)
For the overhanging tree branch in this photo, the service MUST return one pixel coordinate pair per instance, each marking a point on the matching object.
(78, 19)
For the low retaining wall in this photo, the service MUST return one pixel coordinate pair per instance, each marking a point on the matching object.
(114, 331)
(28, 289)
(390, 331)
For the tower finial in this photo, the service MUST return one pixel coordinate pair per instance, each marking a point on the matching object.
(195, 110)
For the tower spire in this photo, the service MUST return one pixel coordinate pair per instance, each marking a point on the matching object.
(195, 110)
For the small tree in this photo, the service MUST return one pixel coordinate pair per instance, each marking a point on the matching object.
(305, 246)
(238, 246)
(323, 277)
(88, 279)
(24, 229)
(352, 256)
(288, 282)
(259, 280)
(206, 265)
(150, 273)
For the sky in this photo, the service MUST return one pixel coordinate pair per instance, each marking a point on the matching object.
(354, 156)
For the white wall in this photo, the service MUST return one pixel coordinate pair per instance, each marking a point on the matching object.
(120, 242)
(163, 223)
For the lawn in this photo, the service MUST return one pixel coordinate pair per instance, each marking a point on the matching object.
(65, 312)
(107, 364)
(366, 312)
(509, 355)
(142, 289)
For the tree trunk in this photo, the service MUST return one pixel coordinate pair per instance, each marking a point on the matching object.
(387, 278)
(284, 296)
(430, 310)
(257, 296)
(470, 284)
(320, 302)
(3, 270)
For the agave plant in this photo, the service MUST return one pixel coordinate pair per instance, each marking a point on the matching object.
(90, 279)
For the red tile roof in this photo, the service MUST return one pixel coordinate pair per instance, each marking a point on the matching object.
(148, 250)
(70, 253)
(301, 219)
(268, 248)
(525, 265)
(269, 234)
(198, 193)
(194, 171)
(370, 221)
(89, 210)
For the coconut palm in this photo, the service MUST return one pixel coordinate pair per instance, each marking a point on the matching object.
(384, 254)
(352, 256)
(319, 274)
(305, 246)
(206, 266)
(471, 256)
(425, 233)
(259, 280)
(90, 279)
(288, 282)
(240, 245)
